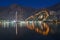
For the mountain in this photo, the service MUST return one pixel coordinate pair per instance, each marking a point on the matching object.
(55, 7)
(23, 12)
(9, 12)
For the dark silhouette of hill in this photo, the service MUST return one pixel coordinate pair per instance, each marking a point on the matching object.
(55, 7)
(6, 12)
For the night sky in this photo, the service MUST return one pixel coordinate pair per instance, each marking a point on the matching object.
(30, 3)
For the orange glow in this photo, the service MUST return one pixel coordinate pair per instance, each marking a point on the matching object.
(30, 26)
(46, 13)
(44, 25)
(0, 23)
(47, 29)
(43, 32)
